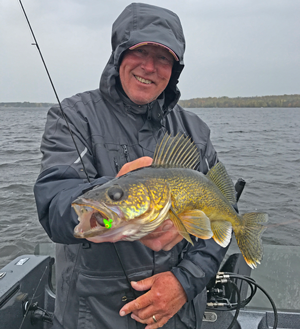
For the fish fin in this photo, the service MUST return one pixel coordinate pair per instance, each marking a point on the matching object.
(222, 230)
(248, 237)
(196, 223)
(220, 177)
(179, 225)
(176, 152)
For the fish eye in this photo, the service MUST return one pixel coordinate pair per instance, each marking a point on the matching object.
(115, 193)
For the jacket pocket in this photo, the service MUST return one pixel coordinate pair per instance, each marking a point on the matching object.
(101, 298)
(110, 158)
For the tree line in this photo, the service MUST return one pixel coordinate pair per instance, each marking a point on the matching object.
(258, 101)
(25, 104)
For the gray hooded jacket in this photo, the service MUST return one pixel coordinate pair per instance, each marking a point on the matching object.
(110, 130)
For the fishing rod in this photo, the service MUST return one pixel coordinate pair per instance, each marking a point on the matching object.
(72, 135)
(29, 305)
(56, 95)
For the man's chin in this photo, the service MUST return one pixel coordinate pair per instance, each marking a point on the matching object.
(142, 97)
(142, 101)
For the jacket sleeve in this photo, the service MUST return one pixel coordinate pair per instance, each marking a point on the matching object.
(62, 178)
(199, 265)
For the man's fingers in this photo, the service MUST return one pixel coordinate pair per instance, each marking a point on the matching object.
(166, 235)
(151, 323)
(160, 231)
(137, 304)
(142, 285)
(141, 302)
(163, 300)
(167, 225)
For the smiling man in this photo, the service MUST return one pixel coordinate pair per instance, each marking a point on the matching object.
(145, 72)
(118, 126)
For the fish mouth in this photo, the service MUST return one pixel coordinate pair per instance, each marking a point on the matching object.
(94, 218)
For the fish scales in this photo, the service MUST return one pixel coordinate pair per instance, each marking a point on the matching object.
(192, 190)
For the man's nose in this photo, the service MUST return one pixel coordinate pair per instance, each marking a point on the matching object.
(149, 64)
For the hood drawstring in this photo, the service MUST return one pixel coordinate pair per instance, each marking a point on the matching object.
(149, 108)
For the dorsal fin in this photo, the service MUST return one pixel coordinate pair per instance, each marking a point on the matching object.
(176, 152)
(220, 177)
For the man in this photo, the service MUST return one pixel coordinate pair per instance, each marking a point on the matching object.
(120, 124)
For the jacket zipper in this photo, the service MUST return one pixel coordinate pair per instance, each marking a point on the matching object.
(125, 151)
(116, 165)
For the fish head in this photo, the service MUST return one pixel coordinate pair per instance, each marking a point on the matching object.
(116, 210)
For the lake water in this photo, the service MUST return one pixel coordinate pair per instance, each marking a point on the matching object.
(260, 145)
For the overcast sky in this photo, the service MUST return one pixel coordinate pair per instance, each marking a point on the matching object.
(234, 47)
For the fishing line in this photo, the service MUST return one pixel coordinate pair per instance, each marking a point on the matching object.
(56, 95)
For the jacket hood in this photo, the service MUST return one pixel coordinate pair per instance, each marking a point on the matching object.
(138, 23)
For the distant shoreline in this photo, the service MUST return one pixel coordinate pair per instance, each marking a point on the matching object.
(25, 104)
(238, 102)
(205, 102)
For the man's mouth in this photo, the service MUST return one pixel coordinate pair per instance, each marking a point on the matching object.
(142, 80)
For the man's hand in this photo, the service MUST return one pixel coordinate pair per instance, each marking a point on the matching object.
(164, 299)
(165, 237)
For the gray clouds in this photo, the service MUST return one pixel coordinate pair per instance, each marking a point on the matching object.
(234, 47)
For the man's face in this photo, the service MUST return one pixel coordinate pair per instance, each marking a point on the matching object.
(145, 72)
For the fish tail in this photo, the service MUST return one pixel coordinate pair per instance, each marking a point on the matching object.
(248, 237)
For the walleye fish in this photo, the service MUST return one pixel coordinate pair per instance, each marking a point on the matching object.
(135, 204)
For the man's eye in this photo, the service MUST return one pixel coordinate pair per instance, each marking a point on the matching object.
(165, 60)
(141, 51)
